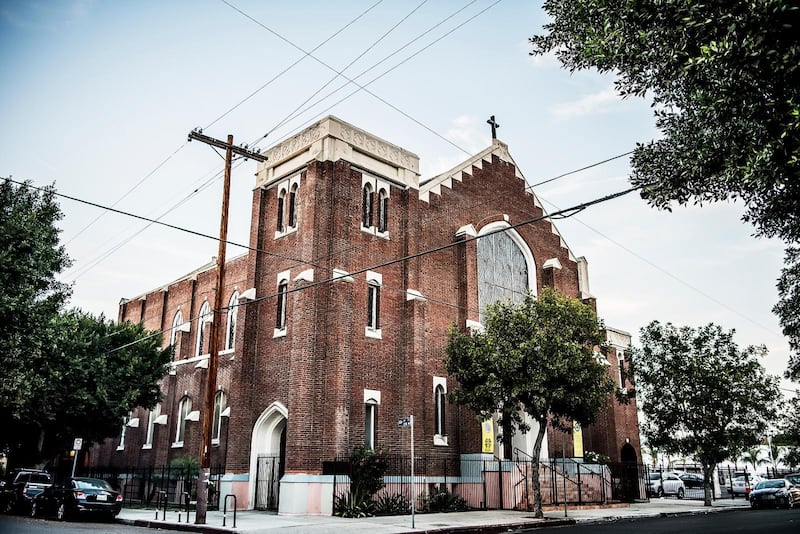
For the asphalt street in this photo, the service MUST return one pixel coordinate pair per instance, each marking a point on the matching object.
(25, 525)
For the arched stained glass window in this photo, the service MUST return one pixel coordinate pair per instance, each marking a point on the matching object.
(503, 270)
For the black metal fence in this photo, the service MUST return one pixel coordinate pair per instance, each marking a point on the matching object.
(493, 483)
(143, 485)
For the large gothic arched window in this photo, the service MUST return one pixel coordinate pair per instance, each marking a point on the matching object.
(505, 266)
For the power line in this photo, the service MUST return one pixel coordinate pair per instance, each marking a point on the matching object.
(326, 65)
(362, 54)
(582, 169)
(362, 73)
(290, 67)
(674, 277)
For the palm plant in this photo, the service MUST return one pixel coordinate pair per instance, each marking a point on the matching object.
(752, 456)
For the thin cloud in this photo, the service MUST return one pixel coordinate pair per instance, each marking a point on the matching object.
(596, 104)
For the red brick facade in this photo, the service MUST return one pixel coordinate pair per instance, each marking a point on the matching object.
(314, 377)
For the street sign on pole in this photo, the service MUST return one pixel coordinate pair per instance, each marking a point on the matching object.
(409, 422)
(76, 447)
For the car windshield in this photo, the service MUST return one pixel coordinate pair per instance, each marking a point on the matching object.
(770, 484)
(654, 476)
(794, 479)
(91, 483)
(40, 478)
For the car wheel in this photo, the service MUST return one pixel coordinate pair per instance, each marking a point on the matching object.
(680, 493)
(61, 513)
(754, 505)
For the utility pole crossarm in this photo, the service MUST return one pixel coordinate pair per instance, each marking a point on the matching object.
(238, 150)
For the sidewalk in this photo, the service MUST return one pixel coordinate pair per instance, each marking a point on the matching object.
(255, 522)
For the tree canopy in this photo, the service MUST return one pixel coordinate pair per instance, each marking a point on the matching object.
(724, 78)
(31, 297)
(65, 374)
(536, 357)
(702, 395)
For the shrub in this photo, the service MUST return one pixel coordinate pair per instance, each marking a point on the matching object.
(442, 500)
(395, 504)
(367, 469)
(350, 506)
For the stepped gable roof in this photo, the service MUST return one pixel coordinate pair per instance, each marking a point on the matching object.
(498, 148)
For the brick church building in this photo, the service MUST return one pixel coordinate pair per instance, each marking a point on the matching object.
(338, 315)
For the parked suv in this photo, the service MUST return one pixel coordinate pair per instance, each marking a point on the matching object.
(19, 488)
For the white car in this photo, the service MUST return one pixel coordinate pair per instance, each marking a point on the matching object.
(666, 483)
(741, 487)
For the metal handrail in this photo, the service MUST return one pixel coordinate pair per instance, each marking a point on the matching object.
(225, 509)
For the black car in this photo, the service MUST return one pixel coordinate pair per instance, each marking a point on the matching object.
(692, 480)
(778, 493)
(78, 496)
(19, 488)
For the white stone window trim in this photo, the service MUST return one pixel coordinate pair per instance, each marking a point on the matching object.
(621, 371)
(283, 277)
(152, 418)
(439, 440)
(372, 398)
(218, 418)
(232, 315)
(375, 280)
(377, 184)
(286, 187)
(204, 316)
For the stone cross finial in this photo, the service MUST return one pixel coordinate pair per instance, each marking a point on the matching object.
(494, 125)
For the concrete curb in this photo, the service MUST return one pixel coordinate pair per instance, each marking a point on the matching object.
(182, 527)
(656, 515)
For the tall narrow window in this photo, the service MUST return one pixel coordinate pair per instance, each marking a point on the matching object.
(383, 210)
(177, 321)
(439, 399)
(370, 423)
(202, 320)
(220, 403)
(280, 320)
(230, 331)
(281, 201)
(151, 425)
(621, 369)
(366, 205)
(293, 207)
(373, 305)
(184, 408)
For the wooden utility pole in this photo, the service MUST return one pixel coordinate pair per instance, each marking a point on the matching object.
(217, 329)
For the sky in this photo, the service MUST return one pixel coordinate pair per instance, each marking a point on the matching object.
(97, 98)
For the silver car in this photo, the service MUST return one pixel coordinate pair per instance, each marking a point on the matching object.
(666, 483)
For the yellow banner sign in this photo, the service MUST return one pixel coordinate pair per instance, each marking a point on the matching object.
(487, 436)
(577, 440)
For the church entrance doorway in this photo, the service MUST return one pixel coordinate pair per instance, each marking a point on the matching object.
(268, 458)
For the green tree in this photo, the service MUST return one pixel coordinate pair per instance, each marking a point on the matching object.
(61, 376)
(30, 295)
(701, 394)
(725, 82)
(88, 384)
(787, 306)
(535, 357)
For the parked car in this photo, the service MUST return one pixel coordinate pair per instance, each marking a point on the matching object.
(77, 496)
(19, 488)
(692, 480)
(794, 478)
(740, 486)
(666, 483)
(778, 493)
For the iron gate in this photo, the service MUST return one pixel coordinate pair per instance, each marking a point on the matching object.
(268, 476)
